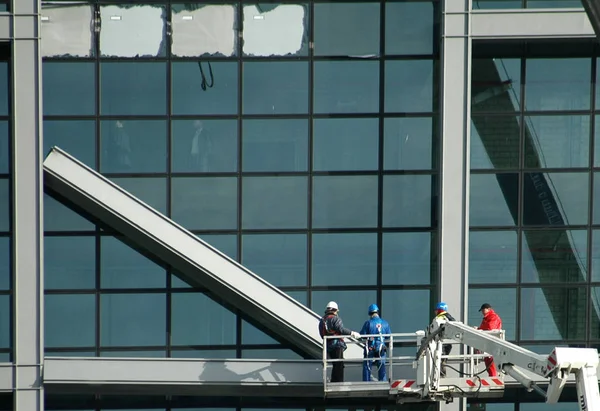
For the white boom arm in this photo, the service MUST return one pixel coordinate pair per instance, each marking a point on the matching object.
(557, 366)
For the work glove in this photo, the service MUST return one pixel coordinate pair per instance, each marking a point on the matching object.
(354, 334)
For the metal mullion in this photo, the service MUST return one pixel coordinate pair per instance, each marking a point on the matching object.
(520, 198)
(240, 107)
(381, 138)
(310, 177)
(590, 237)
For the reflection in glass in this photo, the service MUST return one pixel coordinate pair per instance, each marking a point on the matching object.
(347, 29)
(68, 88)
(277, 87)
(277, 354)
(197, 92)
(204, 203)
(409, 27)
(557, 141)
(207, 146)
(69, 320)
(495, 85)
(219, 324)
(132, 319)
(406, 259)
(595, 311)
(353, 304)
(553, 4)
(134, 353)
(67, 30)
(5, 199)
(346, 144)
(396, 303)
(152, 191)
(5, 92)
(69, 262)
(5, 147)
(133, 88)
(555, 198)
(408, 143)
(595, 255)
(5, 324)
(204, 29)
(344, 201)
(344, 259)
(558, 84)
(272, 29)
(408, 201)
(412, 82)
(553, 313)
(278, 258)
(133, 30)
(563, 406)
(504, 302)
(495, 142)
(493, 257)
(497, 4)
(274, 202)
(552, 256)
(346, 86)
(5, 263)
(252, 335)
(494, 199)
(285, 141)
(124, 267)
(76, 137)
(185, 352)
(57, 217)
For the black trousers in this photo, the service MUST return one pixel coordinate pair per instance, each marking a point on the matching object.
(337, 372)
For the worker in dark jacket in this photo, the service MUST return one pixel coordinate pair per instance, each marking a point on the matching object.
(441, 312)
(331, 324)
(490, 321)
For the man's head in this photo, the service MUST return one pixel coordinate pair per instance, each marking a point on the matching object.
(441, 307)
(331, 307)
(373, 309)
(485, 308)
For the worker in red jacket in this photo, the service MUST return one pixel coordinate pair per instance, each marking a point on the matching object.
(490, 321)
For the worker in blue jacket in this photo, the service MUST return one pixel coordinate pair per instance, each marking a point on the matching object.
(375, 347)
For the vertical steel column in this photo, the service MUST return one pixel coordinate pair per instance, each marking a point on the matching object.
(455, 121)
(27, 207)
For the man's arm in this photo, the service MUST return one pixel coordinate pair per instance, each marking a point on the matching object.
(338, 325)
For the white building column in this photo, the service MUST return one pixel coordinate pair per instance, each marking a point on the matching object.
(27, 207)
(455, 101)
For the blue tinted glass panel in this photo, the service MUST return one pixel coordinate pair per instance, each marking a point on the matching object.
(212, 354)
(554, 256)
(407, 201)
(495, 142)
(278, 258)
(70, 354)
(555, 198)
(69, 88)
(276, 354)
(132, 319)
(152, 191)
(557, 141)
(407, 259)
(123, 267)
(493, 257)
(274, 202)
(596, 255)
(133, 146)
(4, 205)
(597, 140)
(595, 315)
(252, 335)
(412, 82)
(396, 303)
(5, 319)
(217, 326)
(558, 4)
(504, 302)
(206, 146)
(344, 259)
(76, 137)
(278, 87)
(409, 27)
(408, 144)
(58, 217)
(495, 85)
(494, 199)
(5, 147)
(275, 145)
(4, 89)
(558, 84)
(5, 263)
(346, 144)
(272, 29)
(134, 354)
(344, 201)
(346, 86)
(205, 203)
(130, 88)
(192, 94)
(548, 407)
(497, 4)
(553, 313)
(353, 305)
(69, 262)
(346, 29)
(70, 320)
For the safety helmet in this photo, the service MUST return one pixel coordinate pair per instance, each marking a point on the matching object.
(373, 309)
(332, 305)
(441, 306)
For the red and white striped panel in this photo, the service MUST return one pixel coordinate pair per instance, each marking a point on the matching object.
(551, 364)
(403, 384)
(485, 382)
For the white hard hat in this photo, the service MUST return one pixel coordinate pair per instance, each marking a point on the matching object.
(332, 304)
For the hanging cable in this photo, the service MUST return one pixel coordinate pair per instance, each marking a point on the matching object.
(204, 83)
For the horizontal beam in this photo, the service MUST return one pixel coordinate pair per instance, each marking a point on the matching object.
(530, 24)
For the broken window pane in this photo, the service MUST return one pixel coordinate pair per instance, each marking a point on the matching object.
(67, 30)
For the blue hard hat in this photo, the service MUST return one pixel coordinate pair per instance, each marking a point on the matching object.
(373, 309)
(441, 306)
